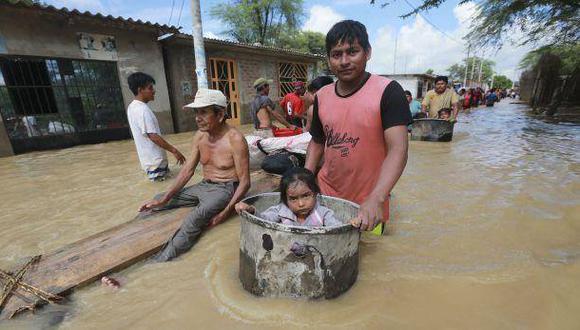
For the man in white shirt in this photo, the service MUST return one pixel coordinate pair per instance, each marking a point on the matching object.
(145, 129)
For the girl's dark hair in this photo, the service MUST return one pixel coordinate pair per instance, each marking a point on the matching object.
(297, 174)
(347, 31)
(319, 82)
(139, 80)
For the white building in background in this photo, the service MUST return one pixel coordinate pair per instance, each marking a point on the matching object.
(417, 83)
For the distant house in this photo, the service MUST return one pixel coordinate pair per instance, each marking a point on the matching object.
(63, 78)
(417, 83)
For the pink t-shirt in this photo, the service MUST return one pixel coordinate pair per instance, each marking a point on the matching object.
(355, 147)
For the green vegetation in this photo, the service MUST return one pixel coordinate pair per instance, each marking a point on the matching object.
(457, 70)
(552, 22)
(568, 55)
(269, 23)
(502, 82)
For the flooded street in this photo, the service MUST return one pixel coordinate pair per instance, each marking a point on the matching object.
(485, 234)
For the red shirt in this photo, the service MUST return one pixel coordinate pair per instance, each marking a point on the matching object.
(292, 105)
(355, 146)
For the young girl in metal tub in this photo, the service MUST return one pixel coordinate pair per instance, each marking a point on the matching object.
(299, 204)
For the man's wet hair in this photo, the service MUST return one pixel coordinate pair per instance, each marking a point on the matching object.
(293, 175)
(319, 82)
(408, 93)
(444, 110)
(139, 80)
(347, 31)
(442, 78)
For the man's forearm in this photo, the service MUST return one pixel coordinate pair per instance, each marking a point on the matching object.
(455, 110)
(158, 140)
(280, 118)
(182, 179)
(313, 155)
(241, 191)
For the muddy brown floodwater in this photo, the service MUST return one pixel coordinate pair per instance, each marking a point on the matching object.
(485, 234)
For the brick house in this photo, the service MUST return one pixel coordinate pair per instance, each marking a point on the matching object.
(63, 79)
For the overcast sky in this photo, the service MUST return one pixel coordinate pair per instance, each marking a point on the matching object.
(422, 43)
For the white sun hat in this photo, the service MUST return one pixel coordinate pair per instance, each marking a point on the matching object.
(206, 97)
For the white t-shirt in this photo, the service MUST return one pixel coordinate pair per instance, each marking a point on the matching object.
(143, 121)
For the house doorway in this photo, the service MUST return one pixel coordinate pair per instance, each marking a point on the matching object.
(223, 74)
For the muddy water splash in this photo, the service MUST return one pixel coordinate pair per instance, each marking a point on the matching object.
(485, 234)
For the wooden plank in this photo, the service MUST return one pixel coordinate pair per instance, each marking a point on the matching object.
(88, 259)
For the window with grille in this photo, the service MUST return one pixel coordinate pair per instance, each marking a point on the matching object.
(44, 96)
(289, 73)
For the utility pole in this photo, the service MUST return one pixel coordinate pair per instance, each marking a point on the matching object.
(466, 65)
(480, 68)
(472, 68)
(492, 79)
(395, 58)
(198, 46)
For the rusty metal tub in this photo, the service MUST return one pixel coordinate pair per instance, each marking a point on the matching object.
(298, 262)
(437, 130)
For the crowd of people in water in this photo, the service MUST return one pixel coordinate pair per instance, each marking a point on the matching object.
(346, 139)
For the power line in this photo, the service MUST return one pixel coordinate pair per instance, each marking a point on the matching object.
(180, 10)
(433, 25)
(171, 15)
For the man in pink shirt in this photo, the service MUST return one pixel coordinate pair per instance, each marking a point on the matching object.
(359, 125)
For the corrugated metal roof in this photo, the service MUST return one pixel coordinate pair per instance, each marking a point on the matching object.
(260, 47)
(66, 11)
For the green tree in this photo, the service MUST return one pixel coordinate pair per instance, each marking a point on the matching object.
(568, 54)
(306, 41)
(502, 82)
(554, 21)
(262, 21)
(457, 70)
(429, 71)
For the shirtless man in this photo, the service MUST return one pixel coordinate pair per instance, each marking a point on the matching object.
(262, 109)
(223, 153)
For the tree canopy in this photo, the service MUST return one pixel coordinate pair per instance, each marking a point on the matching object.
(457, 70)
(306, 41)
(553, 22)
(262, 21)
(567, 54)
(502, 82)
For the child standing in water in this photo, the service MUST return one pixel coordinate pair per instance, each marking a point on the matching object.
(299, 204)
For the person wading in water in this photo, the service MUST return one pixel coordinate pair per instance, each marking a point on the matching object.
(359, 125)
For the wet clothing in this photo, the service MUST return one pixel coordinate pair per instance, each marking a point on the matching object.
(351, 128)
(490, 99)
(143, 121)
(209, 199)
(435, 102)
(259, 102)
(319, 217)
(415, 107)
(292, 104)
(159, 173)
(264, 133)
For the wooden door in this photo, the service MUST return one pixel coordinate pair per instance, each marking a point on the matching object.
(223, 75)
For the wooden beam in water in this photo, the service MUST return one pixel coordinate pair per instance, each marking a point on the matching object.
(87, 260)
